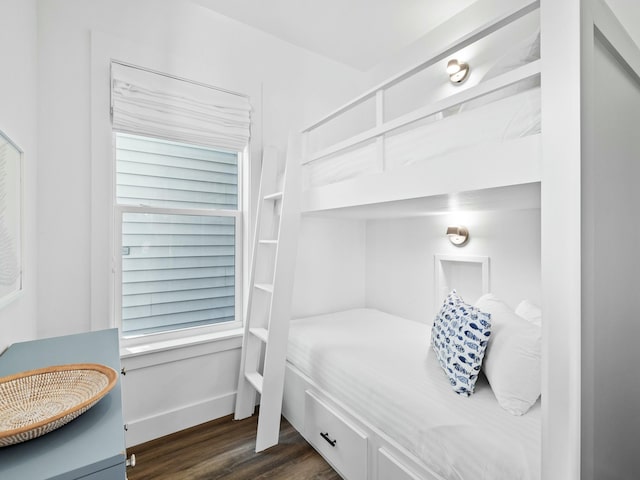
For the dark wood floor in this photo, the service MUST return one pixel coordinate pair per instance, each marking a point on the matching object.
(224, 449)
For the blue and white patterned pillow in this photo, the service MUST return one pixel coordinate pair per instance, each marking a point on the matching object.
(459, 337)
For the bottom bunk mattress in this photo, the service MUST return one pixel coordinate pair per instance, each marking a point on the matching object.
(384, 368)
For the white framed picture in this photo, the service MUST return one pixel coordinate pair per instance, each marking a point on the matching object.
(10, 220)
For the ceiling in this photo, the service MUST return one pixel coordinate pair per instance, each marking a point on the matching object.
(358, 33)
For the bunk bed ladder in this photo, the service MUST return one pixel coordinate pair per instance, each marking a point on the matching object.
(266, 329)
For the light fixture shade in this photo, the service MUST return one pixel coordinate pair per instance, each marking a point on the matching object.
(458, 235)
(458, 71)
(453, 67)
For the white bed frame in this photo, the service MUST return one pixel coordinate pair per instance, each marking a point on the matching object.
(566, 68)
(361, 451)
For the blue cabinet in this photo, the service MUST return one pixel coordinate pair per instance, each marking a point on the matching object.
(92, 446)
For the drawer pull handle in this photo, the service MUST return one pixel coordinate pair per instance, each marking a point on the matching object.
(328, 439)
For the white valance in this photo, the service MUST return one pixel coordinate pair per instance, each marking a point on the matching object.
(149, 103)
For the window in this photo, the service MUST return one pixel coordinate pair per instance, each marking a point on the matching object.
(180, 226)
(179, 149)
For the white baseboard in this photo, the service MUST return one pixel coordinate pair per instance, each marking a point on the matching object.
(145, 429)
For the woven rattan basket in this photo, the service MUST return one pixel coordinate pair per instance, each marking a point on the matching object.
(38, 401)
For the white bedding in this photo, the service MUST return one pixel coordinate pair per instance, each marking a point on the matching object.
(495, 121)
(384, 368)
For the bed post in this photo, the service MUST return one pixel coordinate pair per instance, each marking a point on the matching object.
(561, 255)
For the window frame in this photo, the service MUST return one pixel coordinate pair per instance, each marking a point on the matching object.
(180, 335)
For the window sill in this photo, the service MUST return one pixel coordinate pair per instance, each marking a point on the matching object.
(156, 353)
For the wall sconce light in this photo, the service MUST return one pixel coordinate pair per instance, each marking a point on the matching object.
(458, 235)
(458, 71)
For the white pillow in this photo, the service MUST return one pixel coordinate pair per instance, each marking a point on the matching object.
(512, 360)
(530, 312)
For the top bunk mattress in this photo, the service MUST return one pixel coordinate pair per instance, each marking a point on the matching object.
(384, 368)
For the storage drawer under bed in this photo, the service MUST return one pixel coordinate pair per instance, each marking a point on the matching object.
(390, 468)
(341, 444)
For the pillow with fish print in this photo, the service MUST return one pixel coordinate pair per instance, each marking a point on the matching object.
(459, 336)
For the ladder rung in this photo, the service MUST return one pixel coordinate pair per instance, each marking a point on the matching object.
(261, 333)
(269, 242)
(274, 196)
(266, 287)
(255, 379)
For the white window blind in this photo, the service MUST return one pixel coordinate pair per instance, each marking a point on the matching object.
(162, 106)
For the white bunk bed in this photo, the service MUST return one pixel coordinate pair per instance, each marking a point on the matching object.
(481, 144)
(578, 38)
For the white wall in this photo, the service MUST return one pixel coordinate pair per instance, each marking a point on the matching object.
(330, 270)
(400, 262)
(18, 120)
(288, 86)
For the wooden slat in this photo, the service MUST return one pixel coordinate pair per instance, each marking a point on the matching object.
(265, 287)
(202, 167)
(172, 149)
(169, 263)
(167, 181)
(274, 196)
(157, 216)
(147, 194)
(182, 284)
(183, 240)
(176, 274)
(203, 317)
(261, 333)
(177, 296)
(177, 228)
(256, 380)
(181, 308)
